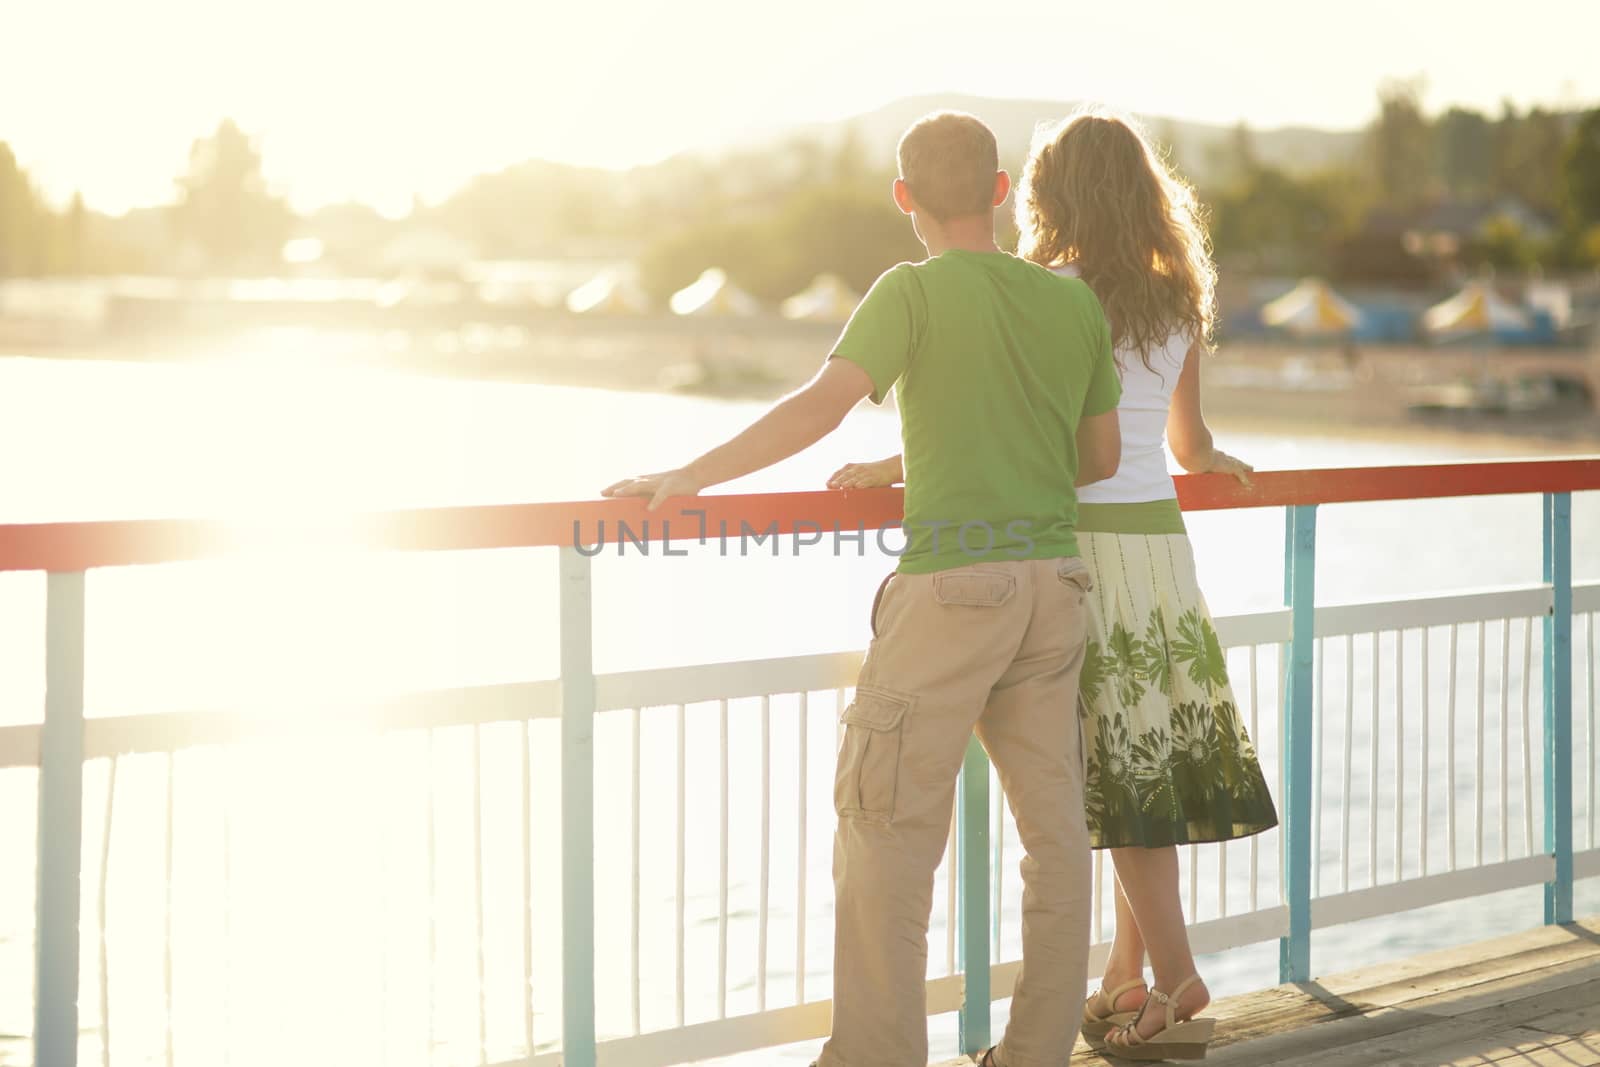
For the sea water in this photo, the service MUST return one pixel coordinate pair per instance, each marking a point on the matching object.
(305, 867)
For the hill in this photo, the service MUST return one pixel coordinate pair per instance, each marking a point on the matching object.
(1194, 144)
(541, 208)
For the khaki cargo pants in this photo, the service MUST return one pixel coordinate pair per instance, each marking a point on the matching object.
(995, 647)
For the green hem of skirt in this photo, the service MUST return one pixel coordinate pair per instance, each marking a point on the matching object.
(1146, 517)
(1202, 834)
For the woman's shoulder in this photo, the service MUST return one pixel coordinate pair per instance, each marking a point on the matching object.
(1156, 371)
(1071, 278)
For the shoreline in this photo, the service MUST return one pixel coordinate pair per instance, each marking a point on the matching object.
(1490, 442)
(1289, 391)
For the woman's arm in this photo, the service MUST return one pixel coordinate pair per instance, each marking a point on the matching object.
(1187, 433)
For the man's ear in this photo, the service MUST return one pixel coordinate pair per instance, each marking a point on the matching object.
(902, 197)
(1002, 187)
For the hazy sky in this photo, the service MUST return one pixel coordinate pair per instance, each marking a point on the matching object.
(375, 100)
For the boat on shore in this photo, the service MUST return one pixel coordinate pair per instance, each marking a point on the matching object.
(1523, 396)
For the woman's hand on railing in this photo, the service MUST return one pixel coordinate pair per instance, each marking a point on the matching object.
(876, 475)
(1222, 463)
(1216, 461)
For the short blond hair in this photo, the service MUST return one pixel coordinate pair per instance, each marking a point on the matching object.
(948, 159)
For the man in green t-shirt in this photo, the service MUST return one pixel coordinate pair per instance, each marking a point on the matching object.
(1007, 394)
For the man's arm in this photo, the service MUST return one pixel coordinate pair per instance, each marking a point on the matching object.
(1099, 447)
(794, 424)
(1099, 437)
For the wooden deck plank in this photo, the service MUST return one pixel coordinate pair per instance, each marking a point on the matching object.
(1419, 976)
(1530, 998)
(1469, 978)
(1579, 1020)
(1515, 989)
(1305, 1044)
(1523, 1046)
(1427, 1036)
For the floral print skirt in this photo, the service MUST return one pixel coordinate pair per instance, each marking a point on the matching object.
(1169, 760)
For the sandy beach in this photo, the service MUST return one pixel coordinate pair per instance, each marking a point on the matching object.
(1250, 385)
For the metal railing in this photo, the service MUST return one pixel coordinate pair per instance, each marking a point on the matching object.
(1324, 670)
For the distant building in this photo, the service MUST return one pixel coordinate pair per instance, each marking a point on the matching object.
(1444, 229)
(426, 252)
(1382, 252)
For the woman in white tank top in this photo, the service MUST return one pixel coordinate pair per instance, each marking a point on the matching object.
(1168, 759)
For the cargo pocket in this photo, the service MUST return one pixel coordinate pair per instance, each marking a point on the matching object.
(1075, 572)
(869, 758)
(982, 589)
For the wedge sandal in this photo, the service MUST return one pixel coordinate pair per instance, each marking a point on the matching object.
(1178, 1039)
(1096, 1025)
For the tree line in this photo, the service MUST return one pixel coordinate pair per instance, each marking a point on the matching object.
(777, 216)
(1522, 188)
(1525, 185)
(223, 218)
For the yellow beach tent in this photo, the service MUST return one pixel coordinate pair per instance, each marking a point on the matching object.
(1312, 309)
(712, 295)
(1475, 309)
(826, 299)
(611, 293)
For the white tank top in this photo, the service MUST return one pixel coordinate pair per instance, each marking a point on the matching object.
(1142, 414)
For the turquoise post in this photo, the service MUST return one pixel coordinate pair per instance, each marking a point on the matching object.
(996, 874)
(1558, 705)
(972, 897)
(55, 1023)
(1294, 951)
(577, 810)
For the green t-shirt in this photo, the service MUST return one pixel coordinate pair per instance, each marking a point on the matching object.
(994, 361)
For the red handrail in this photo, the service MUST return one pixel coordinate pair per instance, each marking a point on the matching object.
(76, 546)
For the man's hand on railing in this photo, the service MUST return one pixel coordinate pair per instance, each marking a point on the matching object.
(795, 423)
(658, 487)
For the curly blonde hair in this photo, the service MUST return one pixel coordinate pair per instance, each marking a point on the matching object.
(1096, 195)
